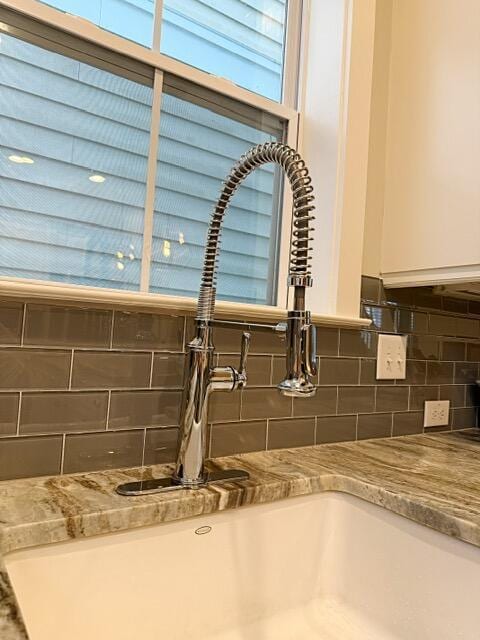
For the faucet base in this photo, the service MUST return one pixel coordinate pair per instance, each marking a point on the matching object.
(297, 388)
(162, 485)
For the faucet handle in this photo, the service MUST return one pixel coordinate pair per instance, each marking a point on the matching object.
(309, 349)
(241, 373)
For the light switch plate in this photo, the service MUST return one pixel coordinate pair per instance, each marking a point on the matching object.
(436, 413)
(391, 357)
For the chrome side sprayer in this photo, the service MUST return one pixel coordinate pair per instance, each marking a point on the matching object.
(202, 377)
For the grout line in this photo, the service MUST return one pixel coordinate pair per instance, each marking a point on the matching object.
(391, 426)
(62, 457)
(24, 320)
(150, 379)
(184, 338)
(107, 416)
(375, 399)
(111, 329)
(271, 370)
(409, 398)
(70, 373)
(20, 395)
(337, 401)
(267, 433)
(315, 430)
(356, 427)
(143, 447)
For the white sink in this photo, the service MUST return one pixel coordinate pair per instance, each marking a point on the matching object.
(321, 567)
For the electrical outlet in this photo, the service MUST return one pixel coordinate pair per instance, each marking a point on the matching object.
(436, 413)
(391, 357)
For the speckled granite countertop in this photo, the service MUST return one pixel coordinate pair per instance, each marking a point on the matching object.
(432, 479)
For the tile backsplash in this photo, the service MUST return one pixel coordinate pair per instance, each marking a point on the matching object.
(84, 389)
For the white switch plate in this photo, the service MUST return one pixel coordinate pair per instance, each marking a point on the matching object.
(391, 357)
(436, 413)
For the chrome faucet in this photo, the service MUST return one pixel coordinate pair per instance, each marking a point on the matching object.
(202, 377)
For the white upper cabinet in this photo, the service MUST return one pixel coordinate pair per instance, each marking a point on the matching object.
(431, 227)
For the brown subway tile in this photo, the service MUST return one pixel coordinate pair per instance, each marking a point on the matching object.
(97, 369)
(383, 318)
(442, 325)
(370, 289)
(356, 399)
(8, 413)
(439, 372)
(472, 395)
(358, 343)
(473, 352)
(474, 307)
(238, 437)
(423, 348)
(400, 296)
(278, 370)
(160, 446)
(263, 403)
(466, 372)
(63, 412)
(11, 319)
(392, 398)
(147, 331)
(453, 392)
(453, 350)
(258, 368)
(468, 328)
(368, 373)
(264, 341)
(130, 409)
(224, 405)
(34, 369)
(336, 429)
(424, 297)
(327, 341)
(168, 370)
(339, 371)
(416, 372)
(419, 395)
(407, 423)
(374, 425)
(30, 456)
(412, 321)
(464, 418)
(324, 402)
(49, 325)
(455, 305)
(105, 450)
(292, 432)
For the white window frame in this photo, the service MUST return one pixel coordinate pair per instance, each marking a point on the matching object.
(293, 93)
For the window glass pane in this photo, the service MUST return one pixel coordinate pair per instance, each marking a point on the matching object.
(198, 146)
(242, 40)
(132, 19)
(73, 162)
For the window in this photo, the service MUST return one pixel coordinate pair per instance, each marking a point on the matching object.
(242, 40)
(132, 19)
(110, 166)
(199, 143)
(74, 143)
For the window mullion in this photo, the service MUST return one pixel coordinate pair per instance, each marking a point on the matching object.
(151, 182)
(157, 25)
(295, 10)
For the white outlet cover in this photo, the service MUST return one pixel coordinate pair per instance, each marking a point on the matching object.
(436, 413)
(391, 357)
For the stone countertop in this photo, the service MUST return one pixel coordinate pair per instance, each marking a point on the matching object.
(431, 479)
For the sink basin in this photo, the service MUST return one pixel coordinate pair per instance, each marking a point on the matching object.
(323, 567)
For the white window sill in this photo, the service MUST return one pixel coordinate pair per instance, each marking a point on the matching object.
(53, 292)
